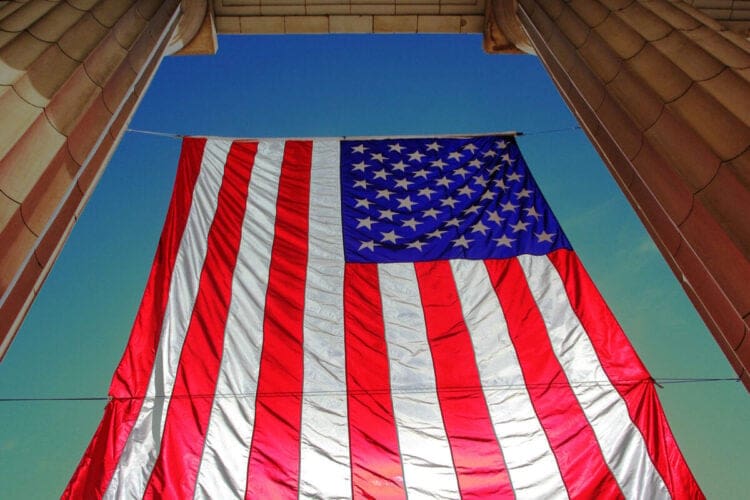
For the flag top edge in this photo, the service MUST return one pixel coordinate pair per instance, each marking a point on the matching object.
(507, 133)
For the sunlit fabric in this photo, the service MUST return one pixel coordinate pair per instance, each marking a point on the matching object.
(375, 318)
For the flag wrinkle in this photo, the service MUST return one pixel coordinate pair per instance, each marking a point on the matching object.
(601, 403)
(582, 466)
(516, 424)
(613, 348)
(142, 447)
(227, 446)
(476, 452)
(186, 420)
(273, 465)
(419, 423)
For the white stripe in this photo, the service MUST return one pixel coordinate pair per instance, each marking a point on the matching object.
(222, 471)
(142, 448)
(531, 463)
(425, 454)
(620, 440)
(324, 453)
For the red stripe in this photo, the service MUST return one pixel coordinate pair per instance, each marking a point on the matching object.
(373, 439)
(132, 375)
(479, 463)
(176, 468)
(273, 468)
(627, 373)
(582, 466)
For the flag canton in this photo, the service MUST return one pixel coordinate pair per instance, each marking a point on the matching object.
(406, 200)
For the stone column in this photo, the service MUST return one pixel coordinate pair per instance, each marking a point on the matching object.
(71, 74)
(663, 92)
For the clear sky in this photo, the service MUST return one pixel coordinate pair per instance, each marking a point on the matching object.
(305, 86)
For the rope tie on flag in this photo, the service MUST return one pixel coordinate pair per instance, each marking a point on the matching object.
(658, 381)
(152, 132)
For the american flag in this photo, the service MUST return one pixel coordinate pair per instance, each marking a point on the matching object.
(376, 318)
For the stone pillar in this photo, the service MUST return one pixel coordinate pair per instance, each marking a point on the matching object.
(71, 74)
(663, 92)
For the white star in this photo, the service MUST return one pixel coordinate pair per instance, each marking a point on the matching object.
(471, 147)
(443, 181)
(434, 146)
(395, 147)
(448, 201)
(493, 169)
(438, 163)
(455, 155)
(416, 244)
(380, 174)
(405, 203)
(416, 156)
(501, 144)
(437, 233)
(504, 241)
(430, 212)
(387, 214)
(361, 184)
(495, 217)
(490, 154)
(461, 242)
(519, 226)
(455, 222)
(524, 193)
(479, 180)
(363, 202)
(465, 190)
(384, 193)
(514, 176)
(488, 195)
(359, 149)
(426, 192)
(366, 222)
(472, 209)
(544, 236)
(412, 223)
(507, 159)
(475, 163)
(500, 183)
(531, 212)
(361, 166)
(368, 244)
(461, 171)
(479, 227)
(377, 156)
(390, 236)
(421, 173)
(509, 207)
(400, 165)
(403, 183)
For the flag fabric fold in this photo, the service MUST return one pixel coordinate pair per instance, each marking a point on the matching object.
(375, 318)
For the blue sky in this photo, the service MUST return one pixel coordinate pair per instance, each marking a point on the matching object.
(304, 86)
